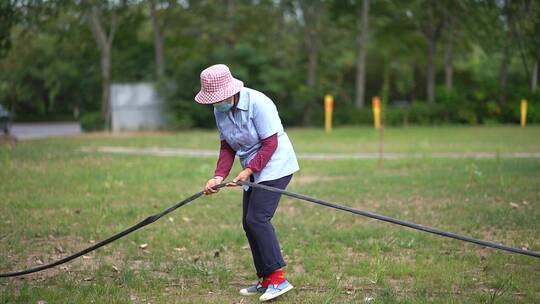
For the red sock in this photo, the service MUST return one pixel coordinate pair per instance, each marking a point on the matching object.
(277, 277)
(265, 282)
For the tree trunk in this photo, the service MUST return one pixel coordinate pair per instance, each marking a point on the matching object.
(311, 74)
(158, 41)
(310, 42)
(503, 74)
(313, 56)
(430, 73)
(104, 43)
(417, 80)
(230, 8)
(361, 44)
(432, 29)
(106, 60)
(449, 56)
(449, 67)
(535, 71)
(46, 104)
(229, 33)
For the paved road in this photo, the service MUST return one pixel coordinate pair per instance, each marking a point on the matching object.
(44, 129)
(313, 156)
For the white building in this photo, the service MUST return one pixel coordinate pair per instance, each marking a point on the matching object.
(136, 106)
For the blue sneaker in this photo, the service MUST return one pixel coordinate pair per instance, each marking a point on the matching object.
(253, 290)
(274, 291)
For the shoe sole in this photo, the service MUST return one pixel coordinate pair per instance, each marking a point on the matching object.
(245, 293)
(275, 295)
(248, 294)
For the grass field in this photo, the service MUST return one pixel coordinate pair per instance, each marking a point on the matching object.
(57, 199)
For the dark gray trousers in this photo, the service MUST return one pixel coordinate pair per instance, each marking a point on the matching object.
(259, 206)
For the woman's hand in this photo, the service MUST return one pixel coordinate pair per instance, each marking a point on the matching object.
(211, 183)
(242, 176)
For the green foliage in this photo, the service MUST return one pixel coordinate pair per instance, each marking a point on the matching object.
(51, 64)
(347, 115)
(421, 113)
(7, 11)
(92, 121)
(533, 112)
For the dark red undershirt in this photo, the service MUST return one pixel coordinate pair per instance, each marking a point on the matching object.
(226, 156)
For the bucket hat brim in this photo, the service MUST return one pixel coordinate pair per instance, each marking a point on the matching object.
(204, 97)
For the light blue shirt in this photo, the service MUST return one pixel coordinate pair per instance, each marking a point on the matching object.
(256, 118)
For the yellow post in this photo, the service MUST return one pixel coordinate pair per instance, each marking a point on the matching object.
(523, 112)
(328, 109)
(376, 106)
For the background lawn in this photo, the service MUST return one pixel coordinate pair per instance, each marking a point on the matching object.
(57, 199)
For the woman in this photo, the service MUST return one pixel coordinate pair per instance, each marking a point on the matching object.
(249, 126)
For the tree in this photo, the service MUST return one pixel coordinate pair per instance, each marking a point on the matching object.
(104, 39)
(361, 44)
(430, 21)
(535, 71)
(158, 40)
(7, 11)
(457, 13)
(311, 14)
(525, 27)
(506, 19)
(294, 51)
(450, 25)
(160, 16)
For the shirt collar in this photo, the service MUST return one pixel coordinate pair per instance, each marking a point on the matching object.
(242, 101)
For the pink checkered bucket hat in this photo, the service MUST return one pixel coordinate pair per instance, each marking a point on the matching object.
(217, 84)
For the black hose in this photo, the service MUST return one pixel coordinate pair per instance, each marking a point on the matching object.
(396, 221)
(195, 196)
(146, 221)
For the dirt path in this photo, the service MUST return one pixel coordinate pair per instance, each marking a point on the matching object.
(25, 131)
(312, 156)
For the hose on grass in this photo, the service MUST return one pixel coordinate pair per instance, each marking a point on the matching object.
(398, 222)
(195, 196)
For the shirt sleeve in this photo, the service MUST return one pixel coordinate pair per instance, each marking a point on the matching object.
(225, 160)
(267, 149)
(266, 118)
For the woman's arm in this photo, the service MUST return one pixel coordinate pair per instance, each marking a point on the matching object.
(267, 149)
(225, 161)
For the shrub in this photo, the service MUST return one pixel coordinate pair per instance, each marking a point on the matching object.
(349, 115)
(92, 121)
